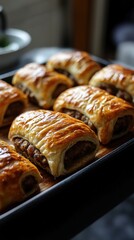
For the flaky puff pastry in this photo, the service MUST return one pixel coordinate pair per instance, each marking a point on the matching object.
(41, 86)
(19, 178)
(54, 141)
(110, 117)
(117, 80)
(78, 65)
(12, 102)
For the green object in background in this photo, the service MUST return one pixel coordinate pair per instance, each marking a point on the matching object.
(4, 41)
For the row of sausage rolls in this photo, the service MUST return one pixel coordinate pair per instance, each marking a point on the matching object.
(43, 83)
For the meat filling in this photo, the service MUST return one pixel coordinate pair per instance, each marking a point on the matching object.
(13, 110)
(29, 151)
(59, 89)
(122, 125)
(29, 94)
(77, 152)
(80, 116)
(29, 184)
(116, 92)
(68, 74)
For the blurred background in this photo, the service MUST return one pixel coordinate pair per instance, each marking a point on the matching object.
(104, 28)
(97, 26)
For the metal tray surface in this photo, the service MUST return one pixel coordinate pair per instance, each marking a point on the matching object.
(67, 205)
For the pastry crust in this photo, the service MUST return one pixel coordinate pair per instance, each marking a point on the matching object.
(117, 79)
(41, 86)
(19, 178)
(64, 144)
(12, 102)
(111, 117)
(79, 65)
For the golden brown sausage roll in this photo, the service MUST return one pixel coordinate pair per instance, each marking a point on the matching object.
(19, 178)
(54, 141)
(78, 65)
(117, 80)
(12, 102)
(41, 86)
(109, 116)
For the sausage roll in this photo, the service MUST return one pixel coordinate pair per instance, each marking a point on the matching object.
(78, 65)
(19, 178)
(54, 141)
(117, 80)
(40, 85)
(109, 116)
(12, 102)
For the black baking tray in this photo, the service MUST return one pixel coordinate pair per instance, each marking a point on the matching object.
(70, 205)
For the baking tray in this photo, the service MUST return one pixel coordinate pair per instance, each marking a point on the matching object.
(65, 206)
